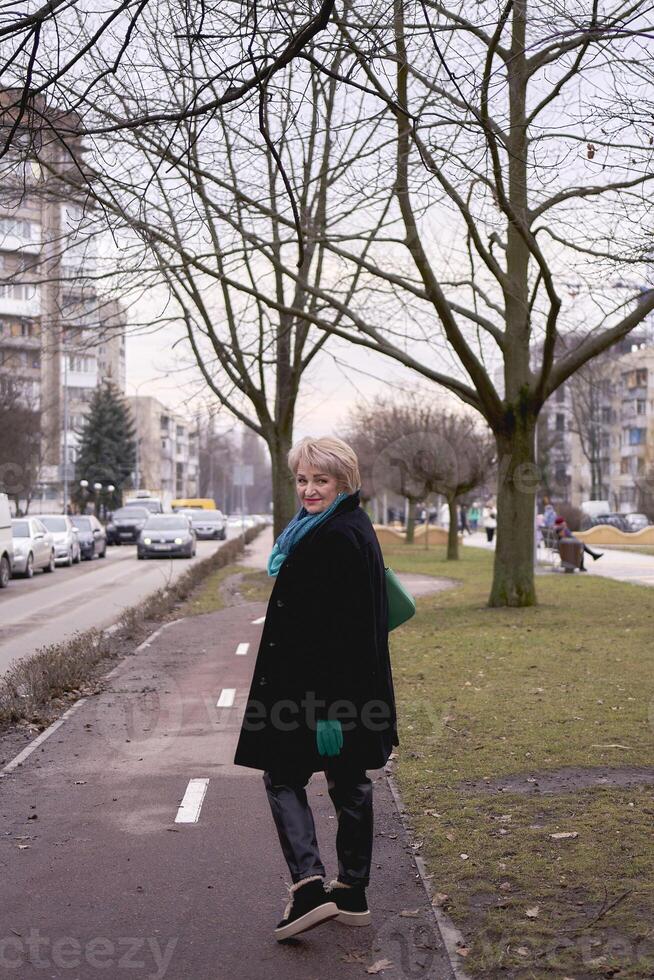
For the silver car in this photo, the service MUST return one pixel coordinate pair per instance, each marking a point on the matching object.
(34, 547)
(66, 539)
(207, 523)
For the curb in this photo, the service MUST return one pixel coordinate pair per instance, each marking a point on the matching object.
(451, 936)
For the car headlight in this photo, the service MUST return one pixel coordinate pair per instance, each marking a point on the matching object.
(147, 540)
(179, 541)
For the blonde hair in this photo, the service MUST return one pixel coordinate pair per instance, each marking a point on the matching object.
(331, 455)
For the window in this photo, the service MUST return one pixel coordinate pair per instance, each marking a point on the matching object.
(624, 464)
(641, 377)
(606, 414)
(560, 422)
(636, 436)
(560, 394)
(641, 406)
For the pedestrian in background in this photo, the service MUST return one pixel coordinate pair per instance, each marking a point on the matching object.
(490, 523)
(463, 519)
(549, 516)
(321, 696)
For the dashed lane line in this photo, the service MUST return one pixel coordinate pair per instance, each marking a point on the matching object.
(191, 805)
(226, 699)
(242, 649)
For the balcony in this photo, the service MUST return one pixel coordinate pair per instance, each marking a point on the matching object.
(20, 307)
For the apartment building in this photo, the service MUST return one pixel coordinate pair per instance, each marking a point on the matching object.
(59, 338)
(598, 430)
(167, 450)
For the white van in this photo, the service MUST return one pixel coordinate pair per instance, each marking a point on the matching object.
(6, 542)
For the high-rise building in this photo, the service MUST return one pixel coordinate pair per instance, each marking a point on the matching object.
(167, 457)
(59, 338)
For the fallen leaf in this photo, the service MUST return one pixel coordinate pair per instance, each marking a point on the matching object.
(410, 913)
(532, 913)
(23, 847)
(379, 966)
(522, 951)
(565, 835)
(440, 898)
(449, 835)
(505, 886)
(464, 857)
(463, 950)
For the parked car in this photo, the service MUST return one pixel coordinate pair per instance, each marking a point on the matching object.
(152, 504)
(66, 540)
(126, 524)
(34, 547)
(207, 523)
(6, 542)
(613, 519)
(167, 535)
(92, 536)
(636, 522)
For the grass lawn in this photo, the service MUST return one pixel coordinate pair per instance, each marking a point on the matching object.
(507, 719)
(254, 586)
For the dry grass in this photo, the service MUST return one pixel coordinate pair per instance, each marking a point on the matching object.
(485, 695)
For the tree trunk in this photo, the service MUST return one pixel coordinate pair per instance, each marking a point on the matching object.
(411, 521)
(285, 502)
(517, 480)
(453, 532)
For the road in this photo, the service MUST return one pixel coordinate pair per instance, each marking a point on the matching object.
(51, 608)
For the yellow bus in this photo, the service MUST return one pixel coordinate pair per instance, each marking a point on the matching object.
(193, 503)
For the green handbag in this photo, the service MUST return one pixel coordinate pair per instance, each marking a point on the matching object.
(401, 604)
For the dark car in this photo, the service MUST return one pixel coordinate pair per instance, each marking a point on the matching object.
(126, 524)
(208, 523)
(167, 535)
(92, 536)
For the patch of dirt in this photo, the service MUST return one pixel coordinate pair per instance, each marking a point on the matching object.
(418, 584)
(567, 779)
(230, 590)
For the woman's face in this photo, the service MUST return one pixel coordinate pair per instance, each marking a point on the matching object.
(315, 489)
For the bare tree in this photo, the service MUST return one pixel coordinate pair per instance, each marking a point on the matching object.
(513, 163)
(44, 47)
(216, 225)
(20, 445)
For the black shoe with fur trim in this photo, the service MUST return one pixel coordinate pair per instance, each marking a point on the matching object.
(309, 905)
(351, 901)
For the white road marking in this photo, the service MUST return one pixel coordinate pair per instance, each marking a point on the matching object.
(189, 808)
(242, 649)
(261, 619)
(226, 699)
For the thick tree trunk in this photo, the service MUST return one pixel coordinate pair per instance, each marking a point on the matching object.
(285, 501)
(453, 532)
(517, 480)
(411, 521)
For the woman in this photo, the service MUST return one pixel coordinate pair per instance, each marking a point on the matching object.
(321, 697)
(490, 523)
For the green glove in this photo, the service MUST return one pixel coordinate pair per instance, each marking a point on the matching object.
(329, 736)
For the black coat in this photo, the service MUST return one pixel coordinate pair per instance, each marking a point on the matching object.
(325, 640)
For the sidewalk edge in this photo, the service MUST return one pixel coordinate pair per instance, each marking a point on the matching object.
(449, 933)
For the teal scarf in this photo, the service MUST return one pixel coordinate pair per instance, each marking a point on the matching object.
(295, 530)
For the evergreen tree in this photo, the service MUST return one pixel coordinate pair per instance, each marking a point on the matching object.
(107, 450)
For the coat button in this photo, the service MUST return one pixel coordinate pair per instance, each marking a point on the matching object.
(271, 643)
(262, 681)
(280, 603)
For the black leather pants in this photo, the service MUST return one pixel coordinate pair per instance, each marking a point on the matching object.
(350, 790)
